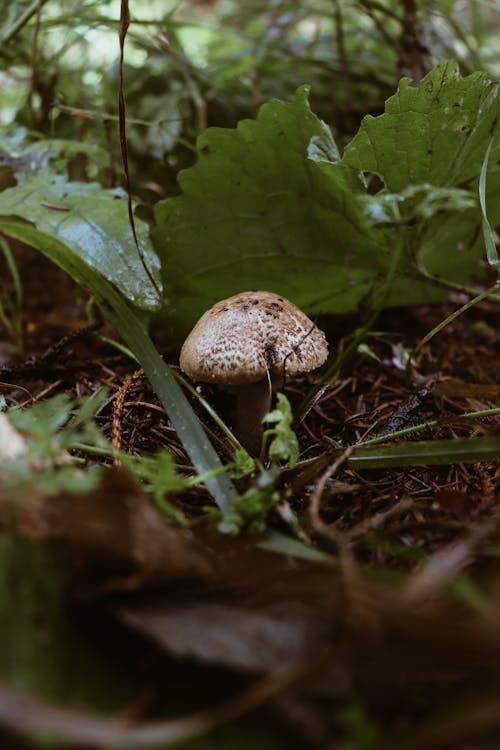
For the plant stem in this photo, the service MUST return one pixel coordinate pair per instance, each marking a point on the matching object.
(452, 317)
(423, 425)
(21, 21)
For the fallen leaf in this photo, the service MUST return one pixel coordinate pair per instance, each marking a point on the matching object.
(243, 638)
(118, 541)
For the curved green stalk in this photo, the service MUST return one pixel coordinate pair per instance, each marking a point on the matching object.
(488, 233)
(428, 336)
(192, 435)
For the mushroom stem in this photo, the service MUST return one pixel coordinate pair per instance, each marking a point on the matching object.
(253, 401)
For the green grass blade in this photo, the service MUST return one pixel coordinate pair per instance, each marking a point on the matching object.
(426, 453)
(488, 233)
(133, 331)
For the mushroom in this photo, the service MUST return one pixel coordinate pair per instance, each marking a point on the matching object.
(244, 342)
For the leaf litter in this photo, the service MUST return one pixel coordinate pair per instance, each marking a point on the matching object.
(393, 631)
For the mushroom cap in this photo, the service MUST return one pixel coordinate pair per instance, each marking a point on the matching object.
(242, 338)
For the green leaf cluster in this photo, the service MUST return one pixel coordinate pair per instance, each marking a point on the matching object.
(274, 205)
(271, 205)
(51, 428)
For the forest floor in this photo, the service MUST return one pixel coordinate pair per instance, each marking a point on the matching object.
(390, 639)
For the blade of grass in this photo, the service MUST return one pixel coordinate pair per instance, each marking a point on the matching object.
(426, 453)
(134, 333)
(187, 387)
(450, 318)
(12, 318)
(14, 273)
(282, 544)
(488, 233)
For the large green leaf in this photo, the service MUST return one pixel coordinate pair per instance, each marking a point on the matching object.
(94, 223)
(257, 211)
(437, 132)
(269, 205)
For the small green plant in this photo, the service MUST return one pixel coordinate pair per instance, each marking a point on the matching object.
(280, 442)
(248, 512)
(52, 428)
(243, 464)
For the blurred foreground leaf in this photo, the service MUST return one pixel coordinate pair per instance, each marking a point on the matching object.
(43, 647)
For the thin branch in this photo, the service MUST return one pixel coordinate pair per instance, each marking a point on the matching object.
(124, 24)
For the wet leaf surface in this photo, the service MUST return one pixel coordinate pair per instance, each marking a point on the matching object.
(91, 222)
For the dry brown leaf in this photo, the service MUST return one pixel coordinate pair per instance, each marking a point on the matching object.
(118, 541)
(243, 638)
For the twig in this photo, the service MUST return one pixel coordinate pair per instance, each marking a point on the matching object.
(124, 24)
(116, 429)
(451, 318)
(35, 364)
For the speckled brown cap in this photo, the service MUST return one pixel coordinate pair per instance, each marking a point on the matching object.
(243, 337)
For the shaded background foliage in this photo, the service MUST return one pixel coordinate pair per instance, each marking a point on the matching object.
(192, 64)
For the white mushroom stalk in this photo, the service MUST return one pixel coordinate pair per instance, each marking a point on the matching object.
(245, 342)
